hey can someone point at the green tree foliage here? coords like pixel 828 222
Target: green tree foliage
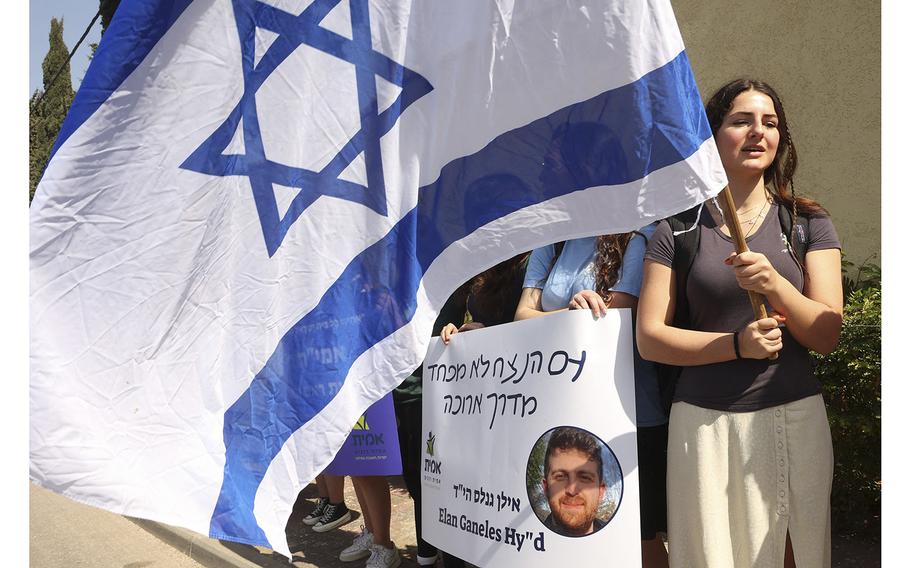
pixel 48 107
pixel 107 9
pixel 855 278
pixel 37 154
pixel 534 477
pixel 851 378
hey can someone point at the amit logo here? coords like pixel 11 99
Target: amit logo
pixel 361 437
pixel 362 423
pixel 431 468
pixel 431 444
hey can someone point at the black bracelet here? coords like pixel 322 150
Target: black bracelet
pixel 736 345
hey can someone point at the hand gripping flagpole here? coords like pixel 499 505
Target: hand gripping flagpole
pixel 739 240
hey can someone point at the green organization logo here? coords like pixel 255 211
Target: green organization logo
pixel 361 437
pixel 431 444
pixel 432 466
pixel 362 423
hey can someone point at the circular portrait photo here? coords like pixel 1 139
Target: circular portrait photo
pixel 574 481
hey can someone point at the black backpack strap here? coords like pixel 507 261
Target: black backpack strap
pixel 797 236
pixel 557 250
pixel 685 246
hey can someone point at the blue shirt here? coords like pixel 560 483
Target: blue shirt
pixel 574 272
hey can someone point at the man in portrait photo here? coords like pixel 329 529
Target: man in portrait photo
pixel 573 482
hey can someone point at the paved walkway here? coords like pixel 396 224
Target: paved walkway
pixel 64 533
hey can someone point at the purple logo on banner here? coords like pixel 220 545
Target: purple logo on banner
pixel 372 447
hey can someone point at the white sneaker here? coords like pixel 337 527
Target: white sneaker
pixel 382 557
pixel 360 548
pixel 427 560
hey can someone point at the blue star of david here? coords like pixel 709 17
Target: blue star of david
pixel 293 31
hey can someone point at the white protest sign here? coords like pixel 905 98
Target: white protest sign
pixel 518 419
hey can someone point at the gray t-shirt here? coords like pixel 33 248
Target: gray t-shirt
pixel 718 304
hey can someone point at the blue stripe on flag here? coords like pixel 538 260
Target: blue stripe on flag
pixel 307 369
pixel 133 32
pixel 616 137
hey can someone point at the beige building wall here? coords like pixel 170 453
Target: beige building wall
pixel 824 59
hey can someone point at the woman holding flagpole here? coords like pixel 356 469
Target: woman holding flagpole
pixel 750 461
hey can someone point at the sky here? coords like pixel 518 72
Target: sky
pixel 76 16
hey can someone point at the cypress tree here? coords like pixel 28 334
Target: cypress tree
pixel 47 111
pixel 36 156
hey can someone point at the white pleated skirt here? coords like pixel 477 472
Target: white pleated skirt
pixel 738 481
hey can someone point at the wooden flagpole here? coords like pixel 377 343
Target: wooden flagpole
pixel 739 240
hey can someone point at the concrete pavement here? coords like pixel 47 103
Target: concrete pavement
pixel 64 533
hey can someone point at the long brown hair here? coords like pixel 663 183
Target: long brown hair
pixel 779 175
pixel 491 288
pixel 608 261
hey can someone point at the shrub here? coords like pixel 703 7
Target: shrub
pixel 851 379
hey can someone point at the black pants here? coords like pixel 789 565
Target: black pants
pixel 652 479
pixel 410 433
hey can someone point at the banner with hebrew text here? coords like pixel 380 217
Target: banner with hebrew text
pixel 530 456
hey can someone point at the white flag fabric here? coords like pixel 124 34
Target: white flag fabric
pixel 256 208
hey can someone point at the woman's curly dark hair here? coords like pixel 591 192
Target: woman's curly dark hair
pixel 608 261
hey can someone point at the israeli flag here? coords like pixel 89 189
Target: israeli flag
pixel 256 208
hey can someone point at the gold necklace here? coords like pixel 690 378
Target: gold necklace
pixel 741 213
pixel 753 221
pixel 718 212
